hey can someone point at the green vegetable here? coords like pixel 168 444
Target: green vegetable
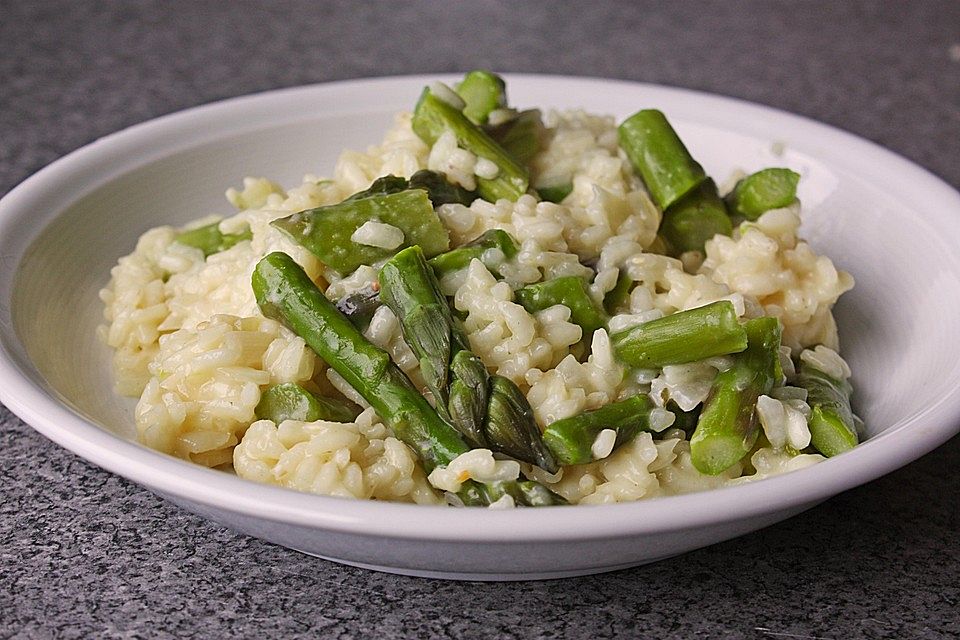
pixel 521 136
pixel 555 193
pixel 360 306
pixel 487 410
pixel 210 240
pixel 695 218
pixel 460 258
pixel 728 426
pixel 619 295
pixel 483 92
pixel 432 117
pixel 571 439
pixel 290 401
pixel 762 191
pixel 438 188
pixel 832 423
pixel 685 336
pixel 569 291
pixel 326 231
pixel 657 154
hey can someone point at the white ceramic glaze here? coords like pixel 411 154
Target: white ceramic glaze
pixel 887 221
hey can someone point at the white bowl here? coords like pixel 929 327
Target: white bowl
pixel 887 221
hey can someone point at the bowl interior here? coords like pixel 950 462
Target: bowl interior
pixel 897 325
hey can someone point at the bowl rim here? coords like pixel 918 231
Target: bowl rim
pixel 53 188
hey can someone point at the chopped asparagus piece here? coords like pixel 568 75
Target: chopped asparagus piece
pixel 326 231
pixel 657 154
pixel 619 295
pixel 762 191
pixel 482 91
pixel 571 439
pixel 460 258
pixel 210 240
pixel 511 428
pixel 728 426
pixel 695 218
pixel 290 401
pixel 569 291
pixel 832 423
pixel 555 193
pixel 685 336
pixel 360 306
pixel 521 136
pixel 432 117
pixel 438 188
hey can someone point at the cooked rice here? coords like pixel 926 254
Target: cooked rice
pixel 189 340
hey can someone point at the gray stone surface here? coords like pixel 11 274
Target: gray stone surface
pixel 86 554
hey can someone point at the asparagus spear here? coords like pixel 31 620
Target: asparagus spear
pixel 432 117
pixel 570 440
pixel 657 154
pixel 210 240
pixel 360 306
pixel 485 410
pixel 438 188
pixel 326 231
pixel 460 258
pixel 685 336
pixel 762 191
pixel 728 426
pixel 832 423
pixel 285 292
pixel 482 91
pixel 521 136
pixel 556 192
pixel 695 218
pixel 290 401
pixel 618 296
pixel 569 291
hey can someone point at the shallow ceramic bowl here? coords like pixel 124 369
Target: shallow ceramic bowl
pixel 887 221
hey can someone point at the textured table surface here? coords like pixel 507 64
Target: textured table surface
pixel 86 554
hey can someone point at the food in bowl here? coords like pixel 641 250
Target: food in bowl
pixel 492 307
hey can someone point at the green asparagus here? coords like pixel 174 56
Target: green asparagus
pixel 326 231
pixel 360 306
pixel 555 192
pixel 210 239
pixel 832 423
pixel 685 336
pixel 432 117
pixel 728 426
pixel 438 188
pixel 482 91
pixel 569 291
pixel 695 218
pixel 521 136
pixel 460 258
pixel 762 191
pixel 619 295
pixel 570 440
pixel 657 154
pixel 290 401
pixel 487 410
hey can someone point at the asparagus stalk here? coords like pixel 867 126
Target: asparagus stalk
pixel 555 192
pixel 432 117
pixel 438 188
pixel 619 295
pixel 832 423
pixel 486 410
pixel 521 136
pixel 570 440
pixel 657 154
pixel 695 218
pixel 460 258
pixel 285 292
pixel 569 291
pixel 728 425
pixel 762 191
pixel 210 239
pixel 360 306
pixel 290 401
pixel 685 336
pixel 326 231
pixel 482 91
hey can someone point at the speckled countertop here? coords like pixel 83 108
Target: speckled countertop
pixel 86 554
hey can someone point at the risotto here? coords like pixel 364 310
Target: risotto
pixel 492 307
